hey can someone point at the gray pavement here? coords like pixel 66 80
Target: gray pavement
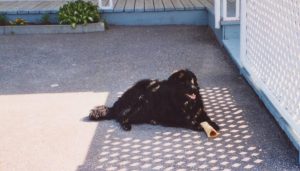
pixel 48 83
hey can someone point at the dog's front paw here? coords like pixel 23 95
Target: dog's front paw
pixel 98 112
pixel 153 122
pixel 126 126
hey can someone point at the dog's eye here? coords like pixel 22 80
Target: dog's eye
pixel 192 81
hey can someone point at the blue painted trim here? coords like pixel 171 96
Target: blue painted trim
pixel 159 9
pixel 34 18
pixel 236 22
pixel 22 12
pixel 196 17
pixel 11 12
pixel 139 10
pixel 149 10
pixel 231 31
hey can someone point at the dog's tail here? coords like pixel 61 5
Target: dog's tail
pixel 101 113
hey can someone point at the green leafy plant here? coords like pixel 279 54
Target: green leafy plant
pixel 45 19
pixel 78 12
pixel 18 21
pixel 3 20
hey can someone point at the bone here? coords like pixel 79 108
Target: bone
pixel 209 130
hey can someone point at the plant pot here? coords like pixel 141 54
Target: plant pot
pixel 48 29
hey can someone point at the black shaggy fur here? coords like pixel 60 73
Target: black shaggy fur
pixel 173 102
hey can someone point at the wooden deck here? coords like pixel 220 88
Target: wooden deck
pixel 154 5
pixel 33 7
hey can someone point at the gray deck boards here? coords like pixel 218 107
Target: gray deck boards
pixel 139 6
pixel 114 2
pixel 56 5
pixel 178 5
pixel 149 5
pixel 7 5
pixel 25 5
pixel 129 7
pixel 40 5
pixel 207 4
pixel 158 5
pixel 168 5
pixel 118 5
pixel 187 4
pixel 197 4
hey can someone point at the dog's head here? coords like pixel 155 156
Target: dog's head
pixel 187 80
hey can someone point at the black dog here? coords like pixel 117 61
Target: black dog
pixel 173 102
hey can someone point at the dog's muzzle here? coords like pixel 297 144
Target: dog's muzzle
pixel 191 96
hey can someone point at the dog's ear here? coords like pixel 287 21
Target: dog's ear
pixel 177 76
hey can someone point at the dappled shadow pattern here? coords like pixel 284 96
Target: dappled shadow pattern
pixel 161 148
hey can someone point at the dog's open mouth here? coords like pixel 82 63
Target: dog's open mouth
pixel 191 96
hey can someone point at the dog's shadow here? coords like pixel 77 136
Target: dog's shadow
pixel 86 119
pixel 148 147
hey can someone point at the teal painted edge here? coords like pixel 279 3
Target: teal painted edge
pixel 269 105
pixel 194 17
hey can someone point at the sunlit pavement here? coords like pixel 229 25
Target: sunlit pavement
pixel 48 84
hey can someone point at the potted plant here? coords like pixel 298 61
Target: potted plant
pixel 78 12
pixel 73 17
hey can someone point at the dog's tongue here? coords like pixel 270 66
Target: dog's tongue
pixel 191 96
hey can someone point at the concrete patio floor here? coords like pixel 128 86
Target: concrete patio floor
pixel 48 83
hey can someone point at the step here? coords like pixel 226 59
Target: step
pixel 233 48
pixel 192 17
pixel 231 29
